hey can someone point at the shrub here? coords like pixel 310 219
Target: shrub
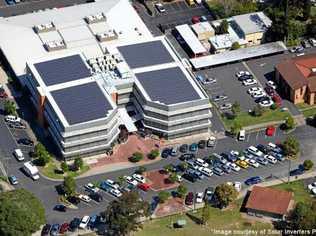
pixel 308 164
pixel 141 170
pixel 274 106
pixel 153 154
pixel 136 157
pixel 163 196
pixel 182 191
pixel 64 166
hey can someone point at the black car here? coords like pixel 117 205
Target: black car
pixel 25 141
pixel 202 144
pixel 184 148
pixel 46 230
pixel 245 77
pixel 187 156
pixel 74 200
pixel 60 207
pixel 74 224
pixel 165 153
pixel 261 99
pixel 262 148
pixel 296 172
pixel 189 177
pixel 96 197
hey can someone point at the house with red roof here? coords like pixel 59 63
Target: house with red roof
pixel 296 78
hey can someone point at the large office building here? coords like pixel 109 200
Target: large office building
pixel 89 71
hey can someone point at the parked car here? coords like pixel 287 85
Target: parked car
pixel 254 90
pixel 131 180
pixel 262 160
pixel 236 185
pixel 220 97
pixel 18 154
pixel 139 178
pixel 112 184
pixel 165 153
pixel 84 222
pixel 266 103
pixel 242 135
pixel 208 194
pixel 184 148
pixel 277 99
pixel 277 155
pixel 252 162
pixel 84 198
pixel 46 230
pixel 64 228
pixel 242 73
pixel 206 171
pixel 143 186
pixel 233 166
pixel 202 144
pixel 270 91
pixel 259 94
pixel 226 168
pixel 74 224
pixel 271 84
pixel 115 192
pixel 189 177
pixel 226 106
pixel 96 197
pixel 211 141
pixel 54 230
pixel 312 42
pixel 201 162
pixel 160 7
pixel 189 198
pixel 91 188
pixel 242 164
pixel 262 148
pixel 60 207
pixel 253 150
pixel 218 171
pixel 249 82
pixel 306 44
pixel 270 130
pixel 270 159
pixel 174 151
pixel 13 180
pixel 199 197
pixel 12 119
pixel 275 148
pixel 253 180
pixel 298 171
pixel 193 147
pixel 195 19
pixel 187 156
pixel 25 141
pixel 311 186
pixel 93 221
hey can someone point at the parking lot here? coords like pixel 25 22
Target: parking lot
pixel 176 13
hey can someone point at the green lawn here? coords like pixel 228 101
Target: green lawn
pixel 297 187
pixel 49 171
pixel 226 220
pixel 245 119
pixel 313 11
pixel 307 110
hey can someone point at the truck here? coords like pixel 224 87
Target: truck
pixel 31 170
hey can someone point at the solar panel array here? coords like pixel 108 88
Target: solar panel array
pixel 62 70
pixel 82 103
pixel 168 86
pixel 145 54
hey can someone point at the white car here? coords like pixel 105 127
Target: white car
pixel 115 192
pixel 234 153
pixel 311 186
pixel 271 84
pixel 206 171
pixel 139 178
pixel 271 159
pixel 13 119
pixel 209 81
pixel 84 198
pixel 252 162
pixel 242 73
pixel 84 222
pixel 226 106
pixel 201 162
pixel 248 82
pixel 199 197
pixel 266 103
pixel 259 94
pixel 233 166
pixel 314 191
pixel 112 184
pixel 236 185
pixel 130 180
pixel 18 154
pixel 92 188
pixel 160 7
pixel 254 90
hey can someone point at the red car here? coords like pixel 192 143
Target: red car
pixel 270 91
pixel 3 94
pixel 189 198
pixel 144 186
pixel 64 228
pixel 277 99
pixel 195 19
pixel 270 130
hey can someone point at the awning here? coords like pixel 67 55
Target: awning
pixel 126 120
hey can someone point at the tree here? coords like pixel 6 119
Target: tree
pixel 78 163
pixel 136 157
pixel 168 168
pixel 291 146
pixel 257 110
pixel 236 108
pixel 223 27
pixel 153 154
pixel 311 27
pixel 121 180
pixel 308 164
pixel 235 128
pixel 303 216
pixel 123 214
pixel 42 155
pixel 235 46
pixel 21 213
pixel 141 170
pixel 163 196
pixel 173 177
pixel 10 107
pixel 289 123
pixel 307 9
pixel 64 166
pixel 69 186
pixel 183 166
pixel 205 214
pixel 182 190
pixel 225 194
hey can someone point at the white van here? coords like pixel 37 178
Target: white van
pixel 242 135
pixel 254 151
pixel 31 170
pixel 13 119
pixel 18 154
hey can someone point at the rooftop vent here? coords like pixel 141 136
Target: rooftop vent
pixel 107 36
pixel 44 27
pixel 55 45
pixel 95 18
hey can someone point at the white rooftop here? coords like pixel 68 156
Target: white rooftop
pixel 190 38
pixel 222 41
pixel 202 27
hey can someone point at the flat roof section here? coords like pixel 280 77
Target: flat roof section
pixel 145 54
pixel 168 86
pixel 62 70
pixel 82 103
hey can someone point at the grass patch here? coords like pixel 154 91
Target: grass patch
pixel 313 11
pixel 226 220
pixel 297 187
pixel 307 110
pixel 245 119
pixel 50 171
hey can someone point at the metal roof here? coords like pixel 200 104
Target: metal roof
pixel 238 55
pixel 253 22
pixel 168 86
pixel 62 70
pixel 191 40
pixel 82 103
pixel 145 54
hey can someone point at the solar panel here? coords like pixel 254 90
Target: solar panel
pixel 168 86
pixel 62 70
pixel 82 103
pixel 145 54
